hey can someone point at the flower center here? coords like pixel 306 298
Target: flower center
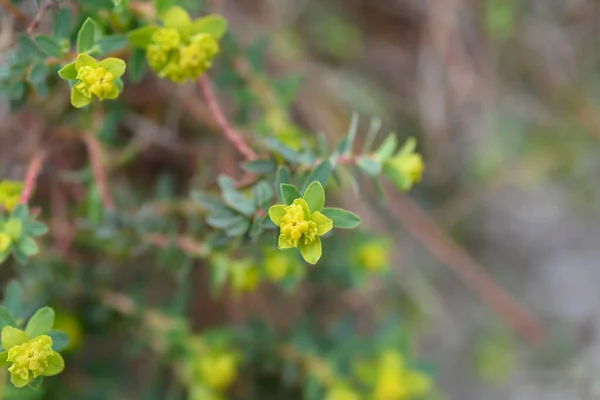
pixel 97 81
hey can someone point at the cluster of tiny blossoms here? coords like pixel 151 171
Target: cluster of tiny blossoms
pixel 181 48
pixel 174 59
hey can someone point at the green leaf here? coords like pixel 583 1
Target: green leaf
pixel 284 151
pixel 4 362
pixel 208 201
pixel 352 131
pixel 137 65
pixel 283 176
pixel 214 25
pixel 48 45
pixel 60 340
pixel 256 229
pixel 56 365
pixel 311 252
pixel 223 221
pixel 19 256
pixel 12 337
pixel 320 174
pixel 27 48
pixel 40 323
pixel 341 218
pixel 374 127
pixel 28 246
pixel 315 196
pixel 17 90
pixel 142 37
pixel 68 72
pixel 262 194
pixel 233 198
pixel 260 166
pixel 112 43
pixel 86 36
pixel 387 148
pixel 13 299
pixel 176 18
pixel 162 6
pixel 369 166
pixel 289 193
pixel 239 228
pixel 63 23
pixel 35 228
pixel 38 73
pixel 20 212
pixel 41 89
pixel 6 319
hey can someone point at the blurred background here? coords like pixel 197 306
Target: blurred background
pixel 502 96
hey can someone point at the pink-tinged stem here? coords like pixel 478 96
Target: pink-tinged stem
pixel 33 171
pixel 230 133
pixel 96 160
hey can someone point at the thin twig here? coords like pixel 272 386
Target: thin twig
pixel 13 10
pixel 33 171
pixel 448 252
pixel 44 7
pixel 96 160
pixel 228 131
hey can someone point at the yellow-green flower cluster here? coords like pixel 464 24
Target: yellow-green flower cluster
pixel 373 255
pixel 245 276
pixel 280 265
pixel 10 233
pixel 181 49
pixel 341 391
pixel 406 167
pixel 10 194
pixel 101 79
pixel 29 358
pixel 211 370
pixel 299 225
pixel 396 381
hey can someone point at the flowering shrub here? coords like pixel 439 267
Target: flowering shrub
pixel 241 229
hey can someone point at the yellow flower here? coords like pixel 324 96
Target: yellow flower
pixel 396 382
pixel 301 228
pixel 181 49
pixel 406 167
pixel 374 255
pixel 166 39
pixel 218 369
pixel 280 265
pixel 29 358
pixel 342 392
pixel 101 79
pixel 69 324
pixel 245 276
pixel 10 194
pixel 5 242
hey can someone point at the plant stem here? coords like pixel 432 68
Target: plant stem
pixel 33 171
pixel 228 131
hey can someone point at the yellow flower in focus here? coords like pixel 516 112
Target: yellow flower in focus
pixel 101 79
pixel 300 228
pixel 10 194
pixel 29 358
pixel 374 255
pixel 5 242
pixel 218 370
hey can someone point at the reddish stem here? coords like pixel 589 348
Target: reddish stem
pixel 230 133
pixel 95 153
pixel 33 171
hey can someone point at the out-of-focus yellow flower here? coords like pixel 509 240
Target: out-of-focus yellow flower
pixel 406 167
pixel 279 265
pixel 373 255
pixel 395 381
pixel 342 392
pixel 5 242
pixel 71 326
pixel 218 369
pixel 245 276
pixel 10 194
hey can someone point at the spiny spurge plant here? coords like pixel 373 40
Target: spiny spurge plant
pixel 126 261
